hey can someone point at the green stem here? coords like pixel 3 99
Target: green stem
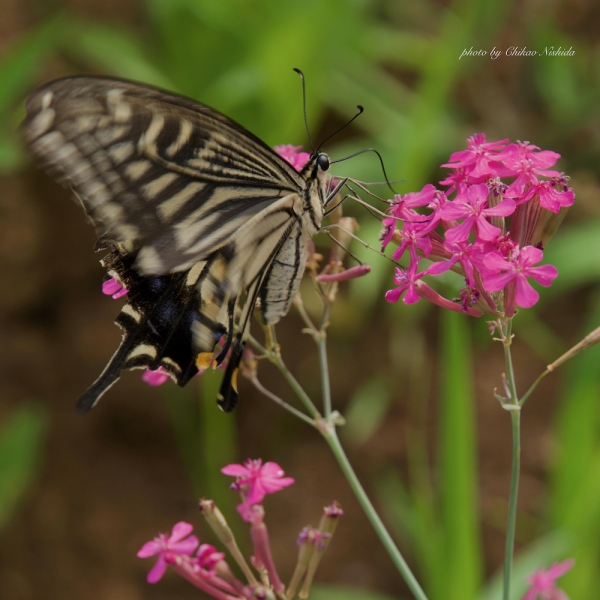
pixel 512 502
pixel 263 390
pixel 321 340
pixel 325 384
pixel 533 386
pixel 276 359
pixel 332 439
pixel 516 460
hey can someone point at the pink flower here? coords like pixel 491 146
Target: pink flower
pixel 168 549
pixel 543 583
pixel 111 287
pixel 414 237
pixel 403 206
pixel 527 166
pixel 471 206
pixel 293 155
pixel 518 269
pixel 480 159
pixel 550 198
pixel 156 377
pixel 406 280
pixel 255 480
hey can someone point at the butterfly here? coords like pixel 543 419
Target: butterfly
pixel 200 219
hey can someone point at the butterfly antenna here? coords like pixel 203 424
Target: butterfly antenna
pixel 360 111
pixel 380 160
pixel 304 107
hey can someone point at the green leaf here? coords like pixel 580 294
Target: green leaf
pixel 21 445
pixel 458 467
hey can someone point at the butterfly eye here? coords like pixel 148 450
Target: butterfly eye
pixel 323 162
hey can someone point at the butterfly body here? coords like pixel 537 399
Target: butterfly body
pixel 200 217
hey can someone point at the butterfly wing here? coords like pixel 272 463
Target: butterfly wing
pixel 154 170
pixel 192 207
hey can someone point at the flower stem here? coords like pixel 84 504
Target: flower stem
pixel 328 431
pixel 332 439
pixel 515 415
pixel 263 390
pixel 533 386
pixel 322 346
pixel 276 359
pixel 321 340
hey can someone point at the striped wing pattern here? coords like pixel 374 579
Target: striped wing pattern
pixel 201 218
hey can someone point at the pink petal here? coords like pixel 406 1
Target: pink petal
pixel 236 471
pixel 486 231
pixel 149 549
pixel 530 255
pixel 544 275
pixel 411 296
pixel 155 378
pixel 394 295
pixel 186 546
pixel 271 469
pixel 526 296
pixel 454 210
pixel 495 283
pixel 274 485
pixel 503 209
pixel 496 262
pixel 180 530
pixel 441 266
pixel 461 232
pixel 544 159
pixel 158 570
pixel 559 569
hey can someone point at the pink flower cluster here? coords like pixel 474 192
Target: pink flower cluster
pixel 207 569
pixel 501 204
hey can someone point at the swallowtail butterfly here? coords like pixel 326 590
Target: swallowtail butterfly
pixel 200 218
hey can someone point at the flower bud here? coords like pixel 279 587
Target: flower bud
pixel 214 517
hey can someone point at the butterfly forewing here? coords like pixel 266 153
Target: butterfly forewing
pixel 149 166
pixel 200 216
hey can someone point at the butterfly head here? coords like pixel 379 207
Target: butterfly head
pixel 323 161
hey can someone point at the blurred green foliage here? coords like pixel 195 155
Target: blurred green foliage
pixel 22 438
pixel 400 61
